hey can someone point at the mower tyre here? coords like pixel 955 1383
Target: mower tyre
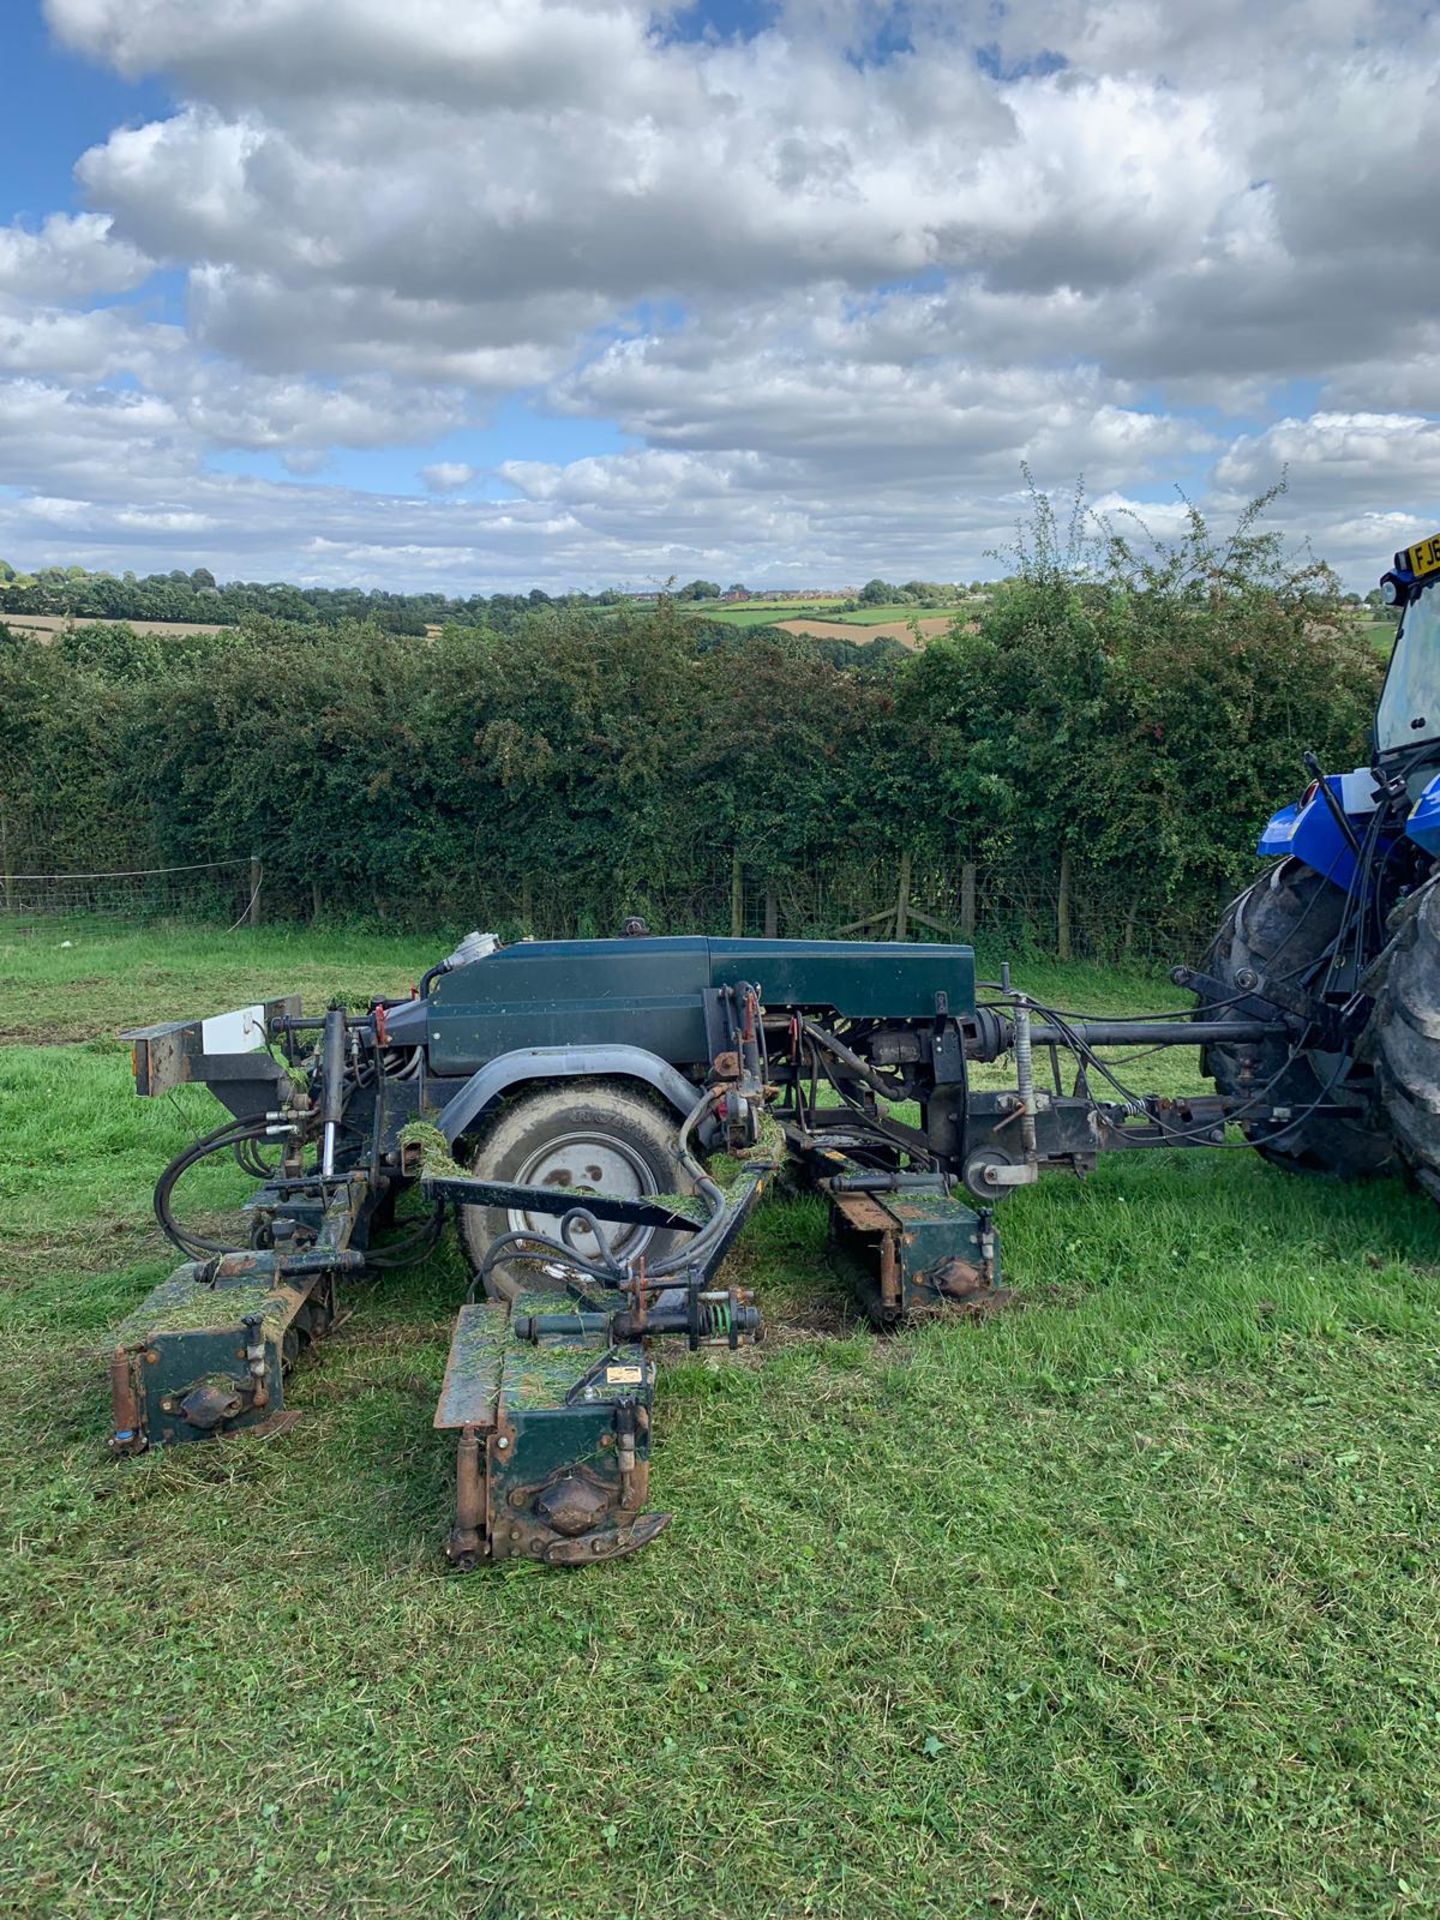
pixel 589 1136
pixel 1277 930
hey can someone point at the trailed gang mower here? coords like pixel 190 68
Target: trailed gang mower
pixel 600 1117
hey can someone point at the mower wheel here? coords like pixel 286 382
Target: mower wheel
pixel 1278 931
pixel 587 1136
pixel 1404 1034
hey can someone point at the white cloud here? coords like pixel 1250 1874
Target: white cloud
pixel 832 299
pixel 228 408
pixel 70 255
pixel 446 476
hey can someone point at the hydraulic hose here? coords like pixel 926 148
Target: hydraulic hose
pixel 234 1133
pixel 607 1271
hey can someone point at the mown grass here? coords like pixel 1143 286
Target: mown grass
pixel 1120 1603
pixel 86 980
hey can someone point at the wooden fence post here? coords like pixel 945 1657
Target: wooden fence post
pixel 257 874
pixel 737 897
pixel 1132 915
pixel 1062 906
pixel 967 901
pixel 772 914
pixel 902 899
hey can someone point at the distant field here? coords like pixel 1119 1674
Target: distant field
pixel 884 616
pixel 877 621
pixel 787 613
pixel 48 623
pixel 767 613
pixel 742 617
pixel 892 629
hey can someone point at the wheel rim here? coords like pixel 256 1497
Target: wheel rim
pixel 585 1162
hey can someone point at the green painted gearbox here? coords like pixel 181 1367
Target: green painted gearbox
pixel 208 1350
pixel 554 1450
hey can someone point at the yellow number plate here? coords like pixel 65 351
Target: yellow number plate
pixel 1424 557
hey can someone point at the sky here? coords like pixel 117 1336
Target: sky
pixel 483 294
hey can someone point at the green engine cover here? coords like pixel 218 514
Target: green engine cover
pixel 646 993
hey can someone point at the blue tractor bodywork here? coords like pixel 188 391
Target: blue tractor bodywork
pixel 1308 830
pixel 1336 833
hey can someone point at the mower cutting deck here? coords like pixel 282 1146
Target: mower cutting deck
pixel 568 1103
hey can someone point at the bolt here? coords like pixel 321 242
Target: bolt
pixel 517 1497
pixel 502 1443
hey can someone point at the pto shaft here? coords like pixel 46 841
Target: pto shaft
pixel 1179 1032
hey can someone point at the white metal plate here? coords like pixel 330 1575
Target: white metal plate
pixel 238 1032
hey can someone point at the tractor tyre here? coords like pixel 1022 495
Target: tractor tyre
pixel 592 1136
pixel 1404 1034
pixel 1277 930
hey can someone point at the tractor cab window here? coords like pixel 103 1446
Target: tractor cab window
pixel 1409 710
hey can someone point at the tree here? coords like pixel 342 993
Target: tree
pixel 877 593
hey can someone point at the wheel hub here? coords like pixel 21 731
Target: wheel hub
pixel 588 1163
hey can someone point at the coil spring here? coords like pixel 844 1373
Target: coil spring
pixel 713 1319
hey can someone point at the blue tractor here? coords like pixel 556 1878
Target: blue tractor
pixel 1344 932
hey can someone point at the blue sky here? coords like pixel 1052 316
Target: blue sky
pixel 66 103
pixel 569 292
pixel 57 103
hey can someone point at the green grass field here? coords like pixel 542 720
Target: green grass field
pixel 751 613
pixel 752 616
pixel 1121 1603
pixel 1381 635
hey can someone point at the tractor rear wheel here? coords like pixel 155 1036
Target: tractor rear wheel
pixel 1278 930
pixel 586 1136
pixel 1404 1034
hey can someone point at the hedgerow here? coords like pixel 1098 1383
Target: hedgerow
pixel 1132 712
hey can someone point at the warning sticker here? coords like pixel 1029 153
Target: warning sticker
pixel 624 1376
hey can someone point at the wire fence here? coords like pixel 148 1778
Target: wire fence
pixel 1023 908
pixel 227 891
pixel 1003 905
